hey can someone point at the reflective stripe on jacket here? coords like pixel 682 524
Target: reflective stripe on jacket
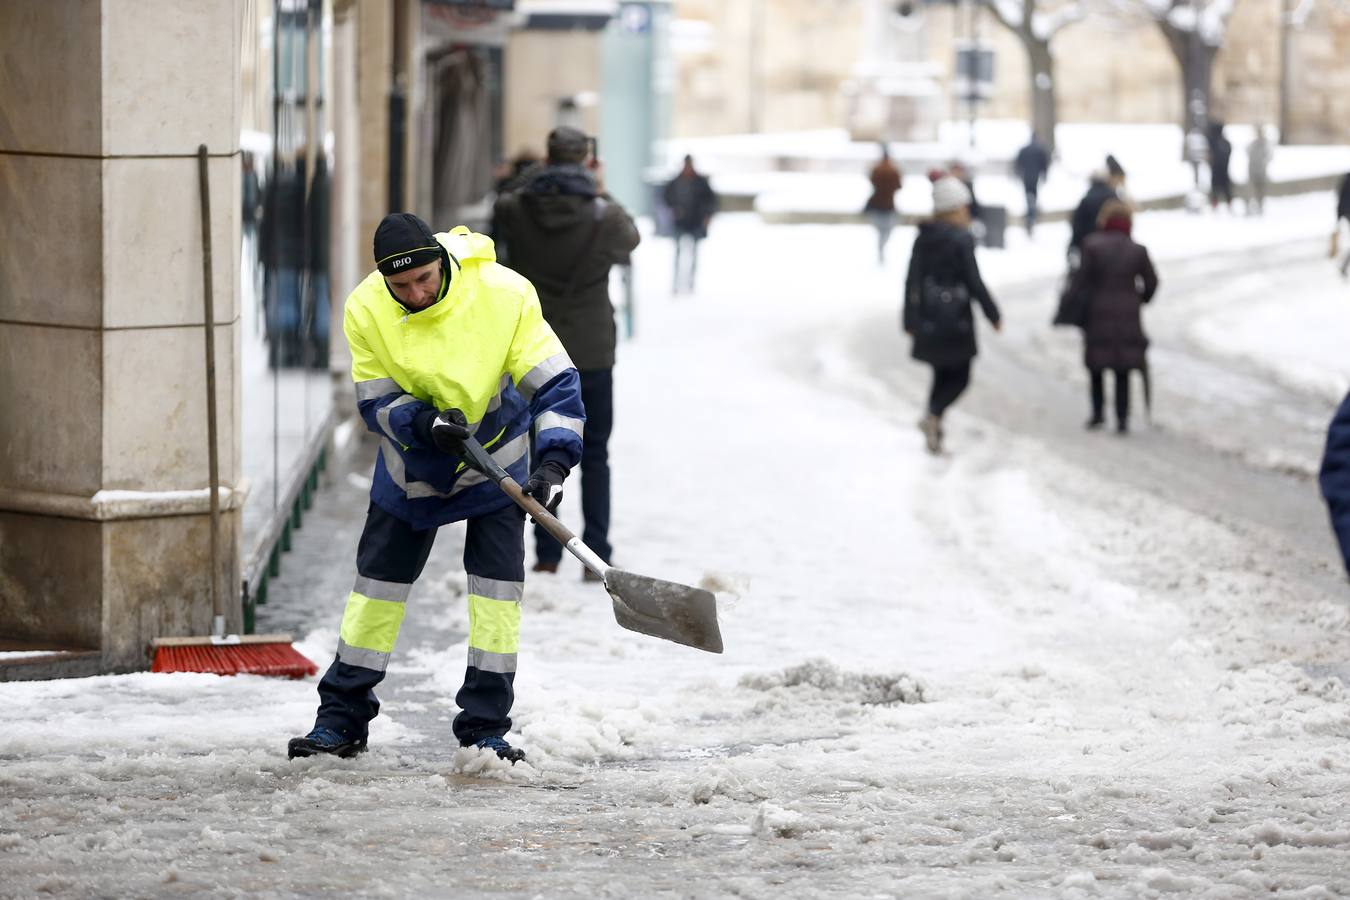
pixel 483 348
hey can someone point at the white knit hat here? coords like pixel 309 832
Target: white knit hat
pixel 949 195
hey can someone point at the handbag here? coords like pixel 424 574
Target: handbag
pixel 1072 308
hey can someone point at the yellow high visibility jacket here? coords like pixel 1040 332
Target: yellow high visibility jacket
pixel 483 348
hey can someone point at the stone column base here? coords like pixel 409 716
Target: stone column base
pixel 112 584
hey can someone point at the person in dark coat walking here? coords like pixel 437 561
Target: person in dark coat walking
pixel 880 206
pixel 1220 179
pixel 1259 153
pixel 1031 164
pixel 1334 477
pixel 1103 186
pixel 563 232
pixel 692 204
pixel 943 280
pixel 1115 279
pixel 1343 212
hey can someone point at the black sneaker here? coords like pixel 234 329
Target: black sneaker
pixel 325 740
pixel 504 750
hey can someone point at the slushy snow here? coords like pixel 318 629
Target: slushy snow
pixel 993 673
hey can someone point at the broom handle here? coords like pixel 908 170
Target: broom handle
pixel 213 462
pixel 478 458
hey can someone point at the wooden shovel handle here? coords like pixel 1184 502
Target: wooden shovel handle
pixel 478 458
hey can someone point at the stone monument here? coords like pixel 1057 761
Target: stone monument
pixel 895 93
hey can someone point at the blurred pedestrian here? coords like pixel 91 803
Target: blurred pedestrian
pixel 252 196
pixel 1103 185
pixel 1220 155
pixel 1114 279
pixel 963 172
pixel 943 280
pixel 510 173
pixel 563 232
pixel 691 200
pixel 1342 212
pixel 316 328
pixel 509 176
pixel 445 344
pixel 1031 164
pixel 880 207
pixel 1334 477
pixel 281 237
pixel 1259 152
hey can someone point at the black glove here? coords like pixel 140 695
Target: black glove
pixel 545 484
pixel 449 430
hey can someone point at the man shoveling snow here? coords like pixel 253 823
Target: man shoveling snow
pixel 446 344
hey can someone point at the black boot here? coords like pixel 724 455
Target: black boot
pixel 498 745
pixel 325 740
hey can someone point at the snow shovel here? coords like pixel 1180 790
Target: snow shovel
pixel 663 609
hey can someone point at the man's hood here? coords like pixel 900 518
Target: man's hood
pixel 465 245
pixel 558 197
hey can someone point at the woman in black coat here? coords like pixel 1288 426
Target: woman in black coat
pixel 943 279
pixel 1115 279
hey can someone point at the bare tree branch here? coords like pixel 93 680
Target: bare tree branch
pixel 1011 13
pixel 1046 25
pixel 1207 19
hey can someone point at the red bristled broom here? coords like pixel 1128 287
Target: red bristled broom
pixel 221 653
pixel 236 654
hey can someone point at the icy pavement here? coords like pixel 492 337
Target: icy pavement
pixel 995 673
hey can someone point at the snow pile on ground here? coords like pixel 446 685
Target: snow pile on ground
pixel 1295 330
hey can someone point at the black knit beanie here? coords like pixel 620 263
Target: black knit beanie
pixel 404 242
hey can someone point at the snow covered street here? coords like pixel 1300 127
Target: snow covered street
pixel 1051 664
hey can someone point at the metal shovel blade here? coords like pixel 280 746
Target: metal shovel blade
pixel 665 609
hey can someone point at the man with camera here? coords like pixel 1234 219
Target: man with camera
pixel 563 232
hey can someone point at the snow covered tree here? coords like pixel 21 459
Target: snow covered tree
pixel 1195 32
pixel 1036 26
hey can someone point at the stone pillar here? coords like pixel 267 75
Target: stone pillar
pixel 374 68
pixel 103 467
pixel 350 260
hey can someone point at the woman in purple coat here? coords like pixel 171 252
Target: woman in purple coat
pixel 1115 279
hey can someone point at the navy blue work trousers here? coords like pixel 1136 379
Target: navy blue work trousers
pixel 389 559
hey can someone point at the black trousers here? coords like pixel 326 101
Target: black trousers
pixel 1099 394
pixel 686 249
pixel 949 382
pixel 389 559
pixel 597 395
pixel 1032 210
